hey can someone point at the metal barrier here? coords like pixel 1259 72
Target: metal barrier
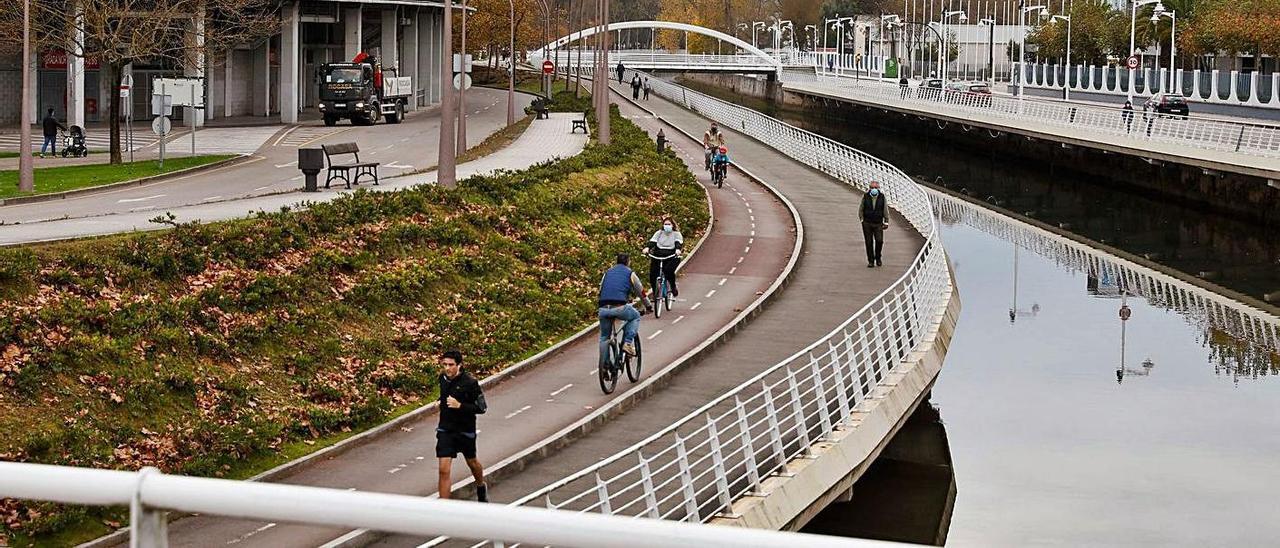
pixel 149 493
pixel 696 468
pixel 1103 123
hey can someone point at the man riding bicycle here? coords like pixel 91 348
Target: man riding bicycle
pixel 711 139
pixel 616 289
pixel 665 244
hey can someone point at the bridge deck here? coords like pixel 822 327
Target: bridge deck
pixel 831 281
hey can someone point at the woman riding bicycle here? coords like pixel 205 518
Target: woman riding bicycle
pixel 720 162
pixel 665 244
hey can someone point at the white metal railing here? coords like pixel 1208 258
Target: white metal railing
pixel 694 469
pixel 149 494
pixel 1102 123
pixel 1254 89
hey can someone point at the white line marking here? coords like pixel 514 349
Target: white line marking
pixel 710 293
pixel 749 210
pixel 753 225
pixel 562 389
pixel 261 188
pixel 753 218
pixel 399 166
pixel 295 178
pixel 722 281
pixel 655 334
pixel 516 412
pixel 283 135
pixel 254 532
pixel 406 139
pixel 388 147
pixel 740 259
pixel 393 470
pixel 747 250
pixel 211 198
pixel 732 270
pixel 293 163
pixel 131 200
pixel 751 241
pixel 695 307
pixel 677 320
pixel 753 233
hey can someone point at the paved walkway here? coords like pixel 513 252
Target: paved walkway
pixel 830 283
pixel 544 140
pixel 720 280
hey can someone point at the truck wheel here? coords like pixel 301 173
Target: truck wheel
pixel 330 120
pixel 395 117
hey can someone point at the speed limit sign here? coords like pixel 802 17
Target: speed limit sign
pixel 1132 62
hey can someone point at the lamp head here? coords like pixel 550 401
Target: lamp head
pixel 964 18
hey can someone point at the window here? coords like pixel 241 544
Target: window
pixel 343 76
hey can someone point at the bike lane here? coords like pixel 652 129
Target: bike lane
pixel 749 247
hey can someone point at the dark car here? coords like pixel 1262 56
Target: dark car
pixel 1167 103
pixel 931 88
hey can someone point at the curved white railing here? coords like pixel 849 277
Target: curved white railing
pixel 696 468
pixel 1102 123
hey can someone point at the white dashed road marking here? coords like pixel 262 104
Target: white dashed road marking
pixel 518 411
pixel 130 200
pixel 722 281
pixel 732 270
pixel 655 334
pixel 695 307
pixel 254 532
pixel 677 320
pixel 562 389
pixel 710 293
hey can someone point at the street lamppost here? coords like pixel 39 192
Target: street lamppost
pixel 946 57
pixel 811 34
pixel 1173 43
pixel 755 25
pixel 838 25
pixel 1022 49
pixel 1133 29
pixel 26 171
pixel 890 21
pixel 1066 85
pixel 991 47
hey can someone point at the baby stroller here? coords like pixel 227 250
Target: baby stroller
pixel 73 143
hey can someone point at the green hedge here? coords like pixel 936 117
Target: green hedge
pixel 202 346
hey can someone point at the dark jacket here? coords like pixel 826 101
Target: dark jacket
pixel 51 126
pixel 466 390
pixel 873 210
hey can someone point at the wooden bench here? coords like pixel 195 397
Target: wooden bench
pixel 343 172
pixel 582 123
pixel 541 108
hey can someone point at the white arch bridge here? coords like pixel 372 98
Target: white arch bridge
pixel 740 56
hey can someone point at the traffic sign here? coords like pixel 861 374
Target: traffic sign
pixel 1132 62
pixel 548 67
pixel 459 79
pixel 161 125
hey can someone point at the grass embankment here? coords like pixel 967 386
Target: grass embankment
pixel 61 179
pixel 219 349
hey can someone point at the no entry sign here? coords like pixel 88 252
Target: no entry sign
pixel 548 67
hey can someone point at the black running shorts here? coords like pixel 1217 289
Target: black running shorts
pixel 449 444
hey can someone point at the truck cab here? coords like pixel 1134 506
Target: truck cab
pixel 360 91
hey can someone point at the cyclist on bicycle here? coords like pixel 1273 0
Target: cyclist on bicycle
pixel 665 244
pixel 711 139
pixel 616 289
pixel 720 160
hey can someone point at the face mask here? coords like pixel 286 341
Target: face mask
pixel 666 228
pixel 875 192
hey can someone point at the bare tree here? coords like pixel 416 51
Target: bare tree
pixel 119 32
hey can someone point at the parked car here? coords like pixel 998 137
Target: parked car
pixel 974 93
pixel 931 88
pixel 1167 103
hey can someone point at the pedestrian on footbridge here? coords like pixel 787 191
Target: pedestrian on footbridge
pixel 647 88
pixel 635 86
pixel 621 69
pixel 874 214
pixel 460 401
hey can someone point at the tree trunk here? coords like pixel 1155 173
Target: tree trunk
pixel 115 74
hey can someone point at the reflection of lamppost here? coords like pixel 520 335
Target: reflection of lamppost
pixel 1013 308
pixel 1147 364
pixel 1066 85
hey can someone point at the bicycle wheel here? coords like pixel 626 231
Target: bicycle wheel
pixel 657 300
pixel 607 371
pixel 634 363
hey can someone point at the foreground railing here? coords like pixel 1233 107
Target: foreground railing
pixel 149 494
pixel 696 468
pixel 1102 123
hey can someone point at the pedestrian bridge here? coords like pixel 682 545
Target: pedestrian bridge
pixel 742 57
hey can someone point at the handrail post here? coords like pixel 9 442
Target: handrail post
pixel 824 414
pixel 686 482
pixel 602 491
pixel 148 527
pixel 722 476
pixel 797 410
pixel 650 498
pixel 748 449
pixel 775 432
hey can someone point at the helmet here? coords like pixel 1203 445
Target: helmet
pixel 724 150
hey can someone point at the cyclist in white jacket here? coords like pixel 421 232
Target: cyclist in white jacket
pixel 665 243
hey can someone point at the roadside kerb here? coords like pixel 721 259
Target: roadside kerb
pixel 619 405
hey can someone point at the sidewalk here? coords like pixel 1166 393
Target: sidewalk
pixel 544 140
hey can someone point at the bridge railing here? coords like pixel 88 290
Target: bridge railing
pixel 1100 122
pixel 647 58
pixel 694 469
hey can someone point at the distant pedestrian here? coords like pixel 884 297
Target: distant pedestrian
pixel 621 70
pixel 51 126
pixel 460 401
pixel 905 86
pixel 831 63
pixel 1127 114
pixel 874 215
pixel 635 86
pixel 647 88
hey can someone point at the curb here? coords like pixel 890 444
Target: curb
pixel 115 186
pixel 364 537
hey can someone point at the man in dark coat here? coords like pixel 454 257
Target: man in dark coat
pixel 51 127
pixel 874 214
pixel 460 401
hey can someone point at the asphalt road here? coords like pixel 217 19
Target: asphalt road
pixel 273 167
pixel 746 251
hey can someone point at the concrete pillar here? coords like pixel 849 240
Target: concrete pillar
pixel 226 83
pixel 290 46
pixel 75 68
pixel 266 78
pixel 195 66
pixel 390 25
pixel 410 57
pixel 353 36
pixel 1213 85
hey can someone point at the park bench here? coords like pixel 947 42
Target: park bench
pixel 541 108
pixel 343 172
pixel 580 123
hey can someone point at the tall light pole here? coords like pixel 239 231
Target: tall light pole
pixel 991 47
pixel 1133 29
pixel 462 88
pixel 1173 43
pixel 839 23
pixel 1022 49
pixel 890 20
pixel 511 70
pixel 946 55
pixel 811 32
pixel 602 76
pixel 447 170
pixel 1066 86
pixel 754 26
pixel 26 171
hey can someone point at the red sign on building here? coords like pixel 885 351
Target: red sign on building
pixel 56 59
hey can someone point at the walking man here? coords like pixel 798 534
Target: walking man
pixel 647 89
pixel 1127 114
pixel 635 86
pixel 621 69
pixel 874 215
pixel 51 126
pixel 460 401
pixel 905 86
